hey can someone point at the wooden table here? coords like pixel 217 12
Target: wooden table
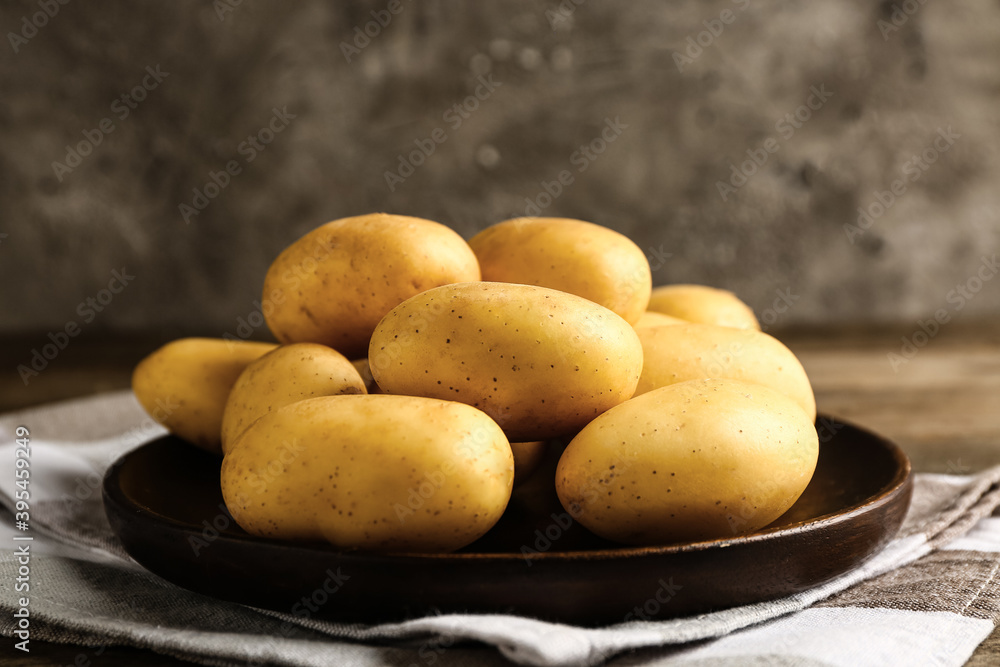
pixel 942 406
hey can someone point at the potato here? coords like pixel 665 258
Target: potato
pixel 653 319
pixel 184 385
pixel 697 460
pixel 707 305
pixel 365 371
pixel 379 473
pixel 527 456
pixel 542 363
pixel 288 374
pixel 334 284
pixel 697 351
pixel 573 256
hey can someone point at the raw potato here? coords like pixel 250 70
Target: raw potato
pixel 184 385
pixel 379 473
pixel 653 319
pixel 542 363
pixel 288 374
pixel 365 371
pixel 698 460
pixel 573 256
pixel 334 284
pixel 697 351
pixel 703 304
pixel 527 456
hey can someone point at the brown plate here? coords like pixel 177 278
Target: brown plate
pixel 164 503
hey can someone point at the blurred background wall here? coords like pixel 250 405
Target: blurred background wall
pixel 740 139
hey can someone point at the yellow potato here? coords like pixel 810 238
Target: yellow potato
pixel 542 363
pixel 334 284
pixel 288 374
pixel 653 319
pixel 379 473
pixel 697 460
pixel 527 456
pixel 365 371
pixel 184 385
pixel 697 351
pixel 700 303
pixel 573 256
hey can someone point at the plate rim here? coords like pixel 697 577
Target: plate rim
pixel 900 482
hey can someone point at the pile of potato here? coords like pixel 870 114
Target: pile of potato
pixel 685 421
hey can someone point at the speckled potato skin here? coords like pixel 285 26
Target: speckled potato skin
pixel 184 385
pixel 573 256
pixel 283 376
pixel 697 351
pixel 334 284
pixel 540 362
pixel 703 304
pixel 377 473
pixel 694 461
pixel 654 319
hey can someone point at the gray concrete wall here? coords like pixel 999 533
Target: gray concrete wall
pixel 559 77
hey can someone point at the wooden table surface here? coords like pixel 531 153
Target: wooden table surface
pixel 942 405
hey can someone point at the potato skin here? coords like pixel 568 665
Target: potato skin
pixel 365 371
pixel 697 351
pixel 288 374
pixel 184 385
pixel 651 318
pixel 573 256
pixel 378 473
pixel 698 460
pixel 540 362
pixel 334 284
pixel 703 304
